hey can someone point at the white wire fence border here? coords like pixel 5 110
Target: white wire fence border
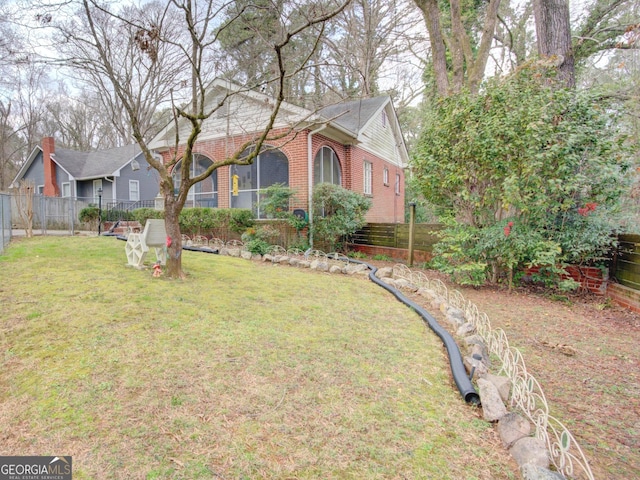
pixel 527 395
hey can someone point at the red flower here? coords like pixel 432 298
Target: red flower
pixel 591 206
pixel 507 231
pixel 510 224
pixel 583 211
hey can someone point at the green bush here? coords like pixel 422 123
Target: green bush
pixel 115 215
pixel 257 246
pixel 337 213
pixel 197 221
pixel 141 215
pixel 90 215
pixel 533 174
pixel 240 219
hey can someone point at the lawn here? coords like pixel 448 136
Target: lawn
pixel 243 370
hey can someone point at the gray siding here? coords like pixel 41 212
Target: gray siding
pixel 35 172
pixel 148 178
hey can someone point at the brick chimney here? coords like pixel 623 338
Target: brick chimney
pixel 50 185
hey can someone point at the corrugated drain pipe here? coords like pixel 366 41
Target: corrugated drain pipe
pixel 455 357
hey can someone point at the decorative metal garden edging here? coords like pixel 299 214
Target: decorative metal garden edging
pixel 527 395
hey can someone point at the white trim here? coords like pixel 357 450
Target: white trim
pixel 68 184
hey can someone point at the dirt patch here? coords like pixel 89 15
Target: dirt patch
pixel 584 352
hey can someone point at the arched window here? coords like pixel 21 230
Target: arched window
pixel 204 193
pixel 268 168
pixel 326 167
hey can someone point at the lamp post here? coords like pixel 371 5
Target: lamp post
pixel 99 210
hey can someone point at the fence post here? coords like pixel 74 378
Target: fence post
pixel 412 221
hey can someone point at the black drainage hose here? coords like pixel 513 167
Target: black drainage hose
pixel 455 357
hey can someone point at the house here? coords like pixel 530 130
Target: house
pixel 120 175
pixel 356 144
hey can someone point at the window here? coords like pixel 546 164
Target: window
pixel 40 190
pixel 134 190
pixel 397 184
pixel 268 168
pixel 66 189
pixel 384 119
pixel 385 176
pixel 368 170
pixel 204 193
pixel 326 167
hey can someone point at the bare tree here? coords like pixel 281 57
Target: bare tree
pixel 24 204
pixel 180 33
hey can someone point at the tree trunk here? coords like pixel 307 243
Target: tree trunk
pixel 174 236
pixel 431 13
pixel 554 37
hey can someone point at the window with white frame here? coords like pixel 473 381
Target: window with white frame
pixel 326 167
pixel 385 176
pixel 384 119
pixel 66 189
pixel 40 189
pixel 397 184
pixel 134 190
pixel 368 174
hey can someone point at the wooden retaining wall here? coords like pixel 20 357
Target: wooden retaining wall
pixel 625 267
pixel 396 235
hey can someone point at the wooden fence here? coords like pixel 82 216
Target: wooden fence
pixel 396 235
pixel 625 267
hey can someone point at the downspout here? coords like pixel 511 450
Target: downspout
pixel 310 178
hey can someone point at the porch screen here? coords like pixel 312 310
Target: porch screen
pixel 268 168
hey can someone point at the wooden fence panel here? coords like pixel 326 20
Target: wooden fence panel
pixel 396 235
pixel 626 265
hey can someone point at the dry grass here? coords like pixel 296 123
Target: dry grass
pixel 243 370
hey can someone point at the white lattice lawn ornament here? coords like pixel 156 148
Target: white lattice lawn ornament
pixel 154 235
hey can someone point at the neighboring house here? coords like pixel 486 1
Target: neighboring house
pixel 122 174
pixel 356 144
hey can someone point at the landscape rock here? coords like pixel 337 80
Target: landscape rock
pixel 512 427
pixel 389 281
pixel 246 254
pixel 454 315
pixel 493 408
pixel 224 251
pixel 355 268
pixel 267 258
pixel 478 368
pixel 335 269
pixel 294 262
pixel 304 264
pixel 533 472
pixel 427 293
pixel 384 272
pixel 480 350
pixel 474 340
pixel 234 252
pixel 502 383
pixel 466 329
pixel 320 266
pixel 405 284
pixel 530 450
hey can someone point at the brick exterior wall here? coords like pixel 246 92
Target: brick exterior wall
pixel 50 185
pixel 387 206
